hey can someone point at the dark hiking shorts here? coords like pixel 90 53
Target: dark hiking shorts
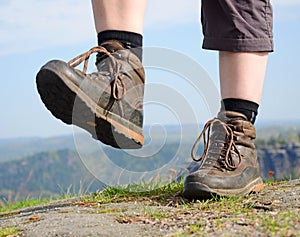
pixel 237 25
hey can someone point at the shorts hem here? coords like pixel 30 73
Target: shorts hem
pixel 239 45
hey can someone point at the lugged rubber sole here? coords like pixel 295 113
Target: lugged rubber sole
pixel 59 94
pixel 195 190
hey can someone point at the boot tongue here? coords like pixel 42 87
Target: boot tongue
pixel 227 116
pixel 220 140
pixel 112 45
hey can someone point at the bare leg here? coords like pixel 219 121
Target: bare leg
pixel 242 74
pixel 126 15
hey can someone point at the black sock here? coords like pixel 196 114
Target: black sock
pixel 245 107
pixel 130 40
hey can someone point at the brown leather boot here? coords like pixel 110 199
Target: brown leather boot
pixel 107 103
pixel 229 164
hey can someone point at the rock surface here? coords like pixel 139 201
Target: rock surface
pixel 273 212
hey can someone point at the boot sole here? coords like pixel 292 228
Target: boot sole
pixel 195 190
pixel 59 93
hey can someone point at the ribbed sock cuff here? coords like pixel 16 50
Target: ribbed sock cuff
pixel 246 107
pixel 130 39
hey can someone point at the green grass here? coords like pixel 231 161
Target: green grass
pixel 199 217
pixel 165 206
pixel 132 192
pixel 280 223
pixel 22 204
pixel 226 212
pixel 8 231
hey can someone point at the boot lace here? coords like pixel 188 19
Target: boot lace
pixel 114 68
pixel 225 156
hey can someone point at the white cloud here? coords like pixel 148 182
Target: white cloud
pixel 286 11
pixel 171 12
pixel 285 2
pixel 33 24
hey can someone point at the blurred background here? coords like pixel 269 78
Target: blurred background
pixel 34 146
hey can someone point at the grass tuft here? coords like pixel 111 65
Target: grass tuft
pixel 132 192
pixel 22 204
pixel 8 231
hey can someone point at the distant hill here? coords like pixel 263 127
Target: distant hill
pixel 45 174
pixel 282 160
pixel 36 167
pixel 18 148
pixel 267 130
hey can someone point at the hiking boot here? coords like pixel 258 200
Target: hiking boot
pixel 108 103
pixel 229 165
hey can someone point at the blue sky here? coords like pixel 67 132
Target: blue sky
pixel 35 31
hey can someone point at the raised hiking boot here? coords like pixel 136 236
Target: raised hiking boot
pixel 108 103
pixel 229 164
